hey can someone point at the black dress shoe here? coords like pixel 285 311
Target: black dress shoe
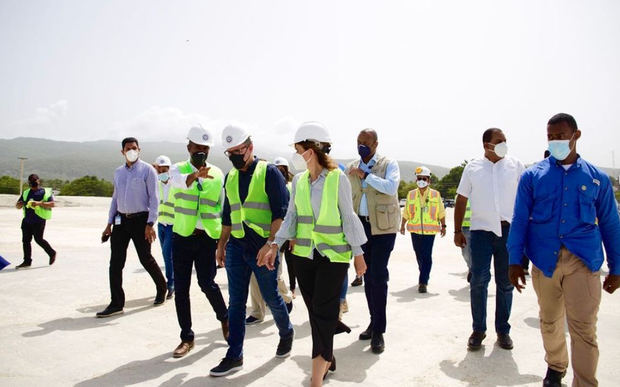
pixel 159 299
pixel 342 327
pixel 475 340
pixel 357 281
pixel 504 340
pixel 23 265
pixel 109 311
pixel 367 334
pixel 53 259
pixel 376 343
pixel 553 378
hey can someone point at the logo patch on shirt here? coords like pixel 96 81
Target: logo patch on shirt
pixel 596 181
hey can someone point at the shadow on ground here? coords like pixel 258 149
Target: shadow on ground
pixel 411 294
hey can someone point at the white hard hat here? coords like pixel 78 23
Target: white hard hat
pixel 280 161
pixel 422 171
pixel 233 135
pixel 200 136
pixel 313 131
pixel 163 161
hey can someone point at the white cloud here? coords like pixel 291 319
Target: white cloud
pixel 45 122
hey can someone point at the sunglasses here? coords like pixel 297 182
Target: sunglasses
pixel 423 178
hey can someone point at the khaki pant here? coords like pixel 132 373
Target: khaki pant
pixel 257 308
pixel 573 292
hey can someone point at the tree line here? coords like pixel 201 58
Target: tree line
pixel 83 186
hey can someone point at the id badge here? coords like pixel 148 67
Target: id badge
pixel 117 220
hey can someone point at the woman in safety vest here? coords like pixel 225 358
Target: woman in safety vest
pixel 325 234
pixel 425 216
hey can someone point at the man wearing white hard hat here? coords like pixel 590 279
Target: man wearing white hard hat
pixel 165 217
pixel 425 216
pixel 374 181
pixel 257 304
pixel 196 228
pixel 255 204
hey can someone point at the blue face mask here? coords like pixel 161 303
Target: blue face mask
pixel 560 149
pixel 163 176
pixel 363 151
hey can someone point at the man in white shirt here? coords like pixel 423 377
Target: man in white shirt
pixel 490 184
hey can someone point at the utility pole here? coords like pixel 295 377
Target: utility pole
pixel 21 174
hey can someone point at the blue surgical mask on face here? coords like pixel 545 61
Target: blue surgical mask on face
pixel 164 176
pixel 560 149
pixel 363 151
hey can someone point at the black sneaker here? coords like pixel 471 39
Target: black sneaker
pixel 253 320
pixel 367 334
pixel 475 340
pixel 357 281
pixel 553 378
pixel 23 265
pixel 285 346
pixel 226 366
pixel 109 311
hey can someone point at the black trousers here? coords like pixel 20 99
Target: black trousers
pixel 290 264
pixel 320 282
pixel 131 229
pixel 197 251
pixel 35 230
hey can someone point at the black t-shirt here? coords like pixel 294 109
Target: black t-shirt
pixel 36 195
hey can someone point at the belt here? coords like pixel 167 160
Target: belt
pixel 364 218
pixel 505 223
pixel 135 214
pixel 198 232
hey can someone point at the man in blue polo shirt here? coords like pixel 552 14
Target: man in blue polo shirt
pixel 564 208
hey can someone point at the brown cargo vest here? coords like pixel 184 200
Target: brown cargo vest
pixel 383 210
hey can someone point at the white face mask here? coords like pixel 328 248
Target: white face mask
pixel 422 183
pixel 131 155
pixel 299 162
pixel 501 149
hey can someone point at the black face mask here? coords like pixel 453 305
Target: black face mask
pixel 199 158
pixel 237 161
pixel 33 183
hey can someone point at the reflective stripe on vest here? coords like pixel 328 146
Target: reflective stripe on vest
pixel 423 220
pixel 326 235
pixel 165 211
pixel 192 205
pixel 255 212
pixel 40 211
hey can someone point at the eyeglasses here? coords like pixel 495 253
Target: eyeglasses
pixel 240 151
pixel 423 178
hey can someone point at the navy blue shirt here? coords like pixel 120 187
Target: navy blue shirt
pixel 36 195
pixel 574 208
pixel 275 188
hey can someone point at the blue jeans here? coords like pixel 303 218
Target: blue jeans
pixel 165 240
pixel 345 287
pixel 423 247
pixel 484 245
pixel 240 264
pixel 466 251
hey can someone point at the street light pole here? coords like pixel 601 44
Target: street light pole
pixel 21 174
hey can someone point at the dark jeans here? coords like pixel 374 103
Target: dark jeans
pixel 484 245
pixel 131 229
pixel 290 264
pixel 423 248
pixel 35 230
pixel 164 233
pixel 197 251
pixel 240 264
pixel 376 254
pixel 320 282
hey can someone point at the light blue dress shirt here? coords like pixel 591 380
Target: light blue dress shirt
pixel 135 190
pixel 388 186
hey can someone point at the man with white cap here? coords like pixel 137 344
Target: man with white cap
pixel 196 228
pixel 165 217
pixel 425 216
pixel 255 205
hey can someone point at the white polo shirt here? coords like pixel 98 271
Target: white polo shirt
pixel 491 189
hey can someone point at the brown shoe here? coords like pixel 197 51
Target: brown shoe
pixel 183 349
pixel 225 329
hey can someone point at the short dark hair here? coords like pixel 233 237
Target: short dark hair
pixel 372 132
pixel 127 140
pixel 33 177
pixel 486 136
pixel 566 118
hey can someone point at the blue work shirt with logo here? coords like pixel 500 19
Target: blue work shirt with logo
pixel 574 208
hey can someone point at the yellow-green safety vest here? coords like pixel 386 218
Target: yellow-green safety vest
pixel 41 212
pixel 166 205
pixel 467 218
pixel 326 234
pixel 423 219
pixel 192 203
pixel 255 212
